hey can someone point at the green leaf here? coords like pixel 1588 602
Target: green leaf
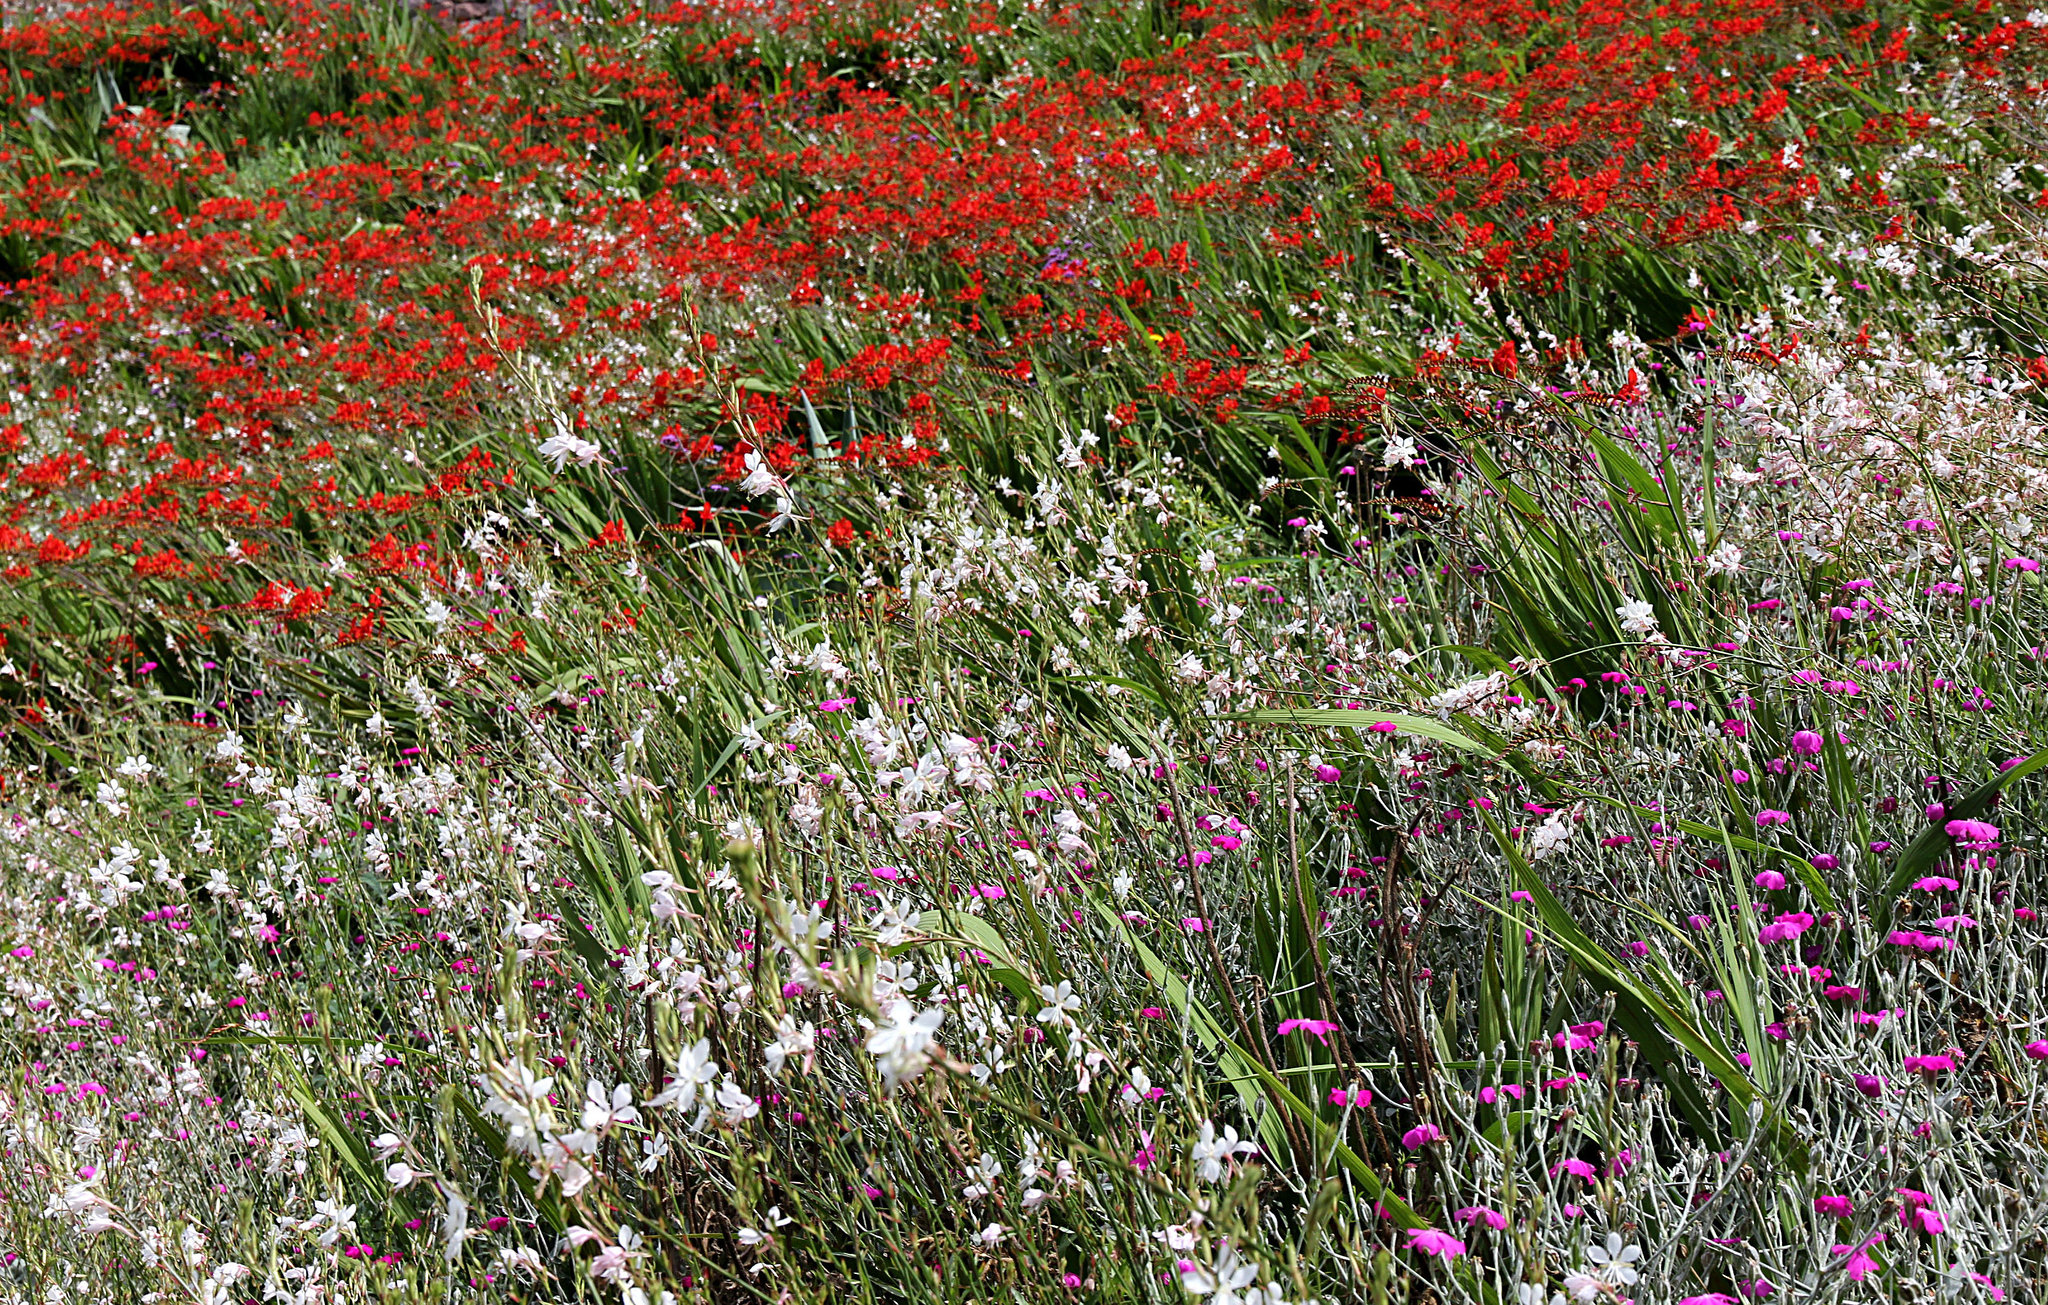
pixel 973 931
pixel 1324 717
pixel 1925 850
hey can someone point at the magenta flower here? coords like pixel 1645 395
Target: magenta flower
pixel 1321 1029
pixel 1870 1085
pixel 1807 743
pixel 1327 774
pixel 1420 1136
pixel 1493 1219
pixel 1786 927
pixel 1929 1065
pixel 1859 1262
pixel 1768 818
pixel 1937 884
pixel 2037 1050
pixel 1838 1207
pixel 1770 881
pixel 1976 834
pixel 1711 1298
pixel 1431 1242
pixel 1350 1097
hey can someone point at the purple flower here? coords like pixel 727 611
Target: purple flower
pixel 1870 1085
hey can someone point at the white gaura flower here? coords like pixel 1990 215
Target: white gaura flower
pixel 1060 1003
pixel 564 447
pixel 600 1112
pixel 1212 1154
pixel 902 1046
pixel 737 1105
pixel 1637 617
pixel 759 1237
pixel 524 1259
pixel 792 1039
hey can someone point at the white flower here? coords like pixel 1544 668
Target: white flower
pixel 1550 837
pixel 737 1105
pixel 1399 452
pixel 792 1040
pixel 340 1220
pixel 756 1237
pixel 1725 560
pixel 1582 1287
pixel 985 1173
pixel 1212 1154
pixel 1061 1002
pixel 563 446
pixel 1616 1262
pixel 1637 617
pixel 523 1258
pixel 1223 1280
pixel 990 1235
pixel 902 1046
pixel 760 478
pixel 600 1113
